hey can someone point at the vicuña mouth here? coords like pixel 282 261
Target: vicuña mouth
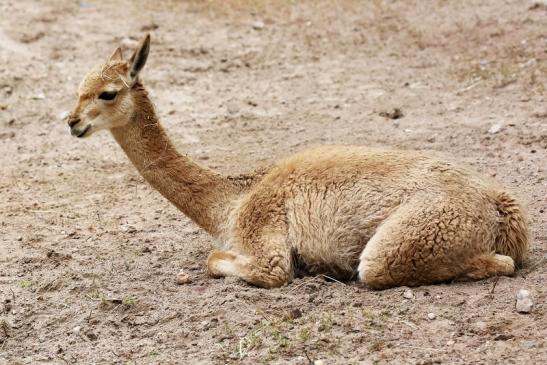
pixel 80 133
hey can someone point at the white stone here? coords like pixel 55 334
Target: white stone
pixel 258 25
pixel 62 115
pixel 496 128
pixel 76 330
pixel 408 294
pixel 431 316
pixel 524 302
pixel 232 107
pixel 480 327
pixel 129 43
pixel 183 278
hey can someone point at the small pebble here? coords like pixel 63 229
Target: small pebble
pixel 39 96
pixel 7 306
pixel 258 25
pixel 408 294
pixel 396 113
pixel 231 280
pixel 232 107
pixel 431 316
pixel 480 327
pixel 524 302
pixel 91 335
pixel 183 278
pixel 496 128
pixel 128 229
pixel 129 43
pixel 295 313
pixel 538 4
pixel 319 362
pixel 76 330
pixel 62 115
pixel 450 343
pixel 149 27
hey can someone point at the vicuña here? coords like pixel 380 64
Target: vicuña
pixel 384 217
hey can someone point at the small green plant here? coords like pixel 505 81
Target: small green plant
pixel 385 314
pixel 248 343
pixel 304 334
pixel 368 314
pixel 325 322
pixel 283 342
pixel 97 295
pixel 129 301
pixel 24 284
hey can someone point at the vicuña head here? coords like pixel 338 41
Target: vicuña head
pixel 105 94
pixel 112 97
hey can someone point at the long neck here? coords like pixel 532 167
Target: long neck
pixel 203 195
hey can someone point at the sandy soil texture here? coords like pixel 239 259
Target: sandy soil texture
pixel 89 253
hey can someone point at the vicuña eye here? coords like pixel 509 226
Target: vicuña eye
pixel 108 95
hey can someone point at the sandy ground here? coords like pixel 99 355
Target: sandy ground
pixel 89 252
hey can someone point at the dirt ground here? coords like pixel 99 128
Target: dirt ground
pixel 89 252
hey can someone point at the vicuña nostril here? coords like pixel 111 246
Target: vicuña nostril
pixel 73 122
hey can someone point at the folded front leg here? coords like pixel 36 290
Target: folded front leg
pixel 267 264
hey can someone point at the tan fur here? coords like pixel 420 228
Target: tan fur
pixel 385 217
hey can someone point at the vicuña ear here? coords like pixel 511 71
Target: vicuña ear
pixel 138 59
pixel 116 55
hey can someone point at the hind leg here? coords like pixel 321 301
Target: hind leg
pixel 424 242
pixel 488 265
